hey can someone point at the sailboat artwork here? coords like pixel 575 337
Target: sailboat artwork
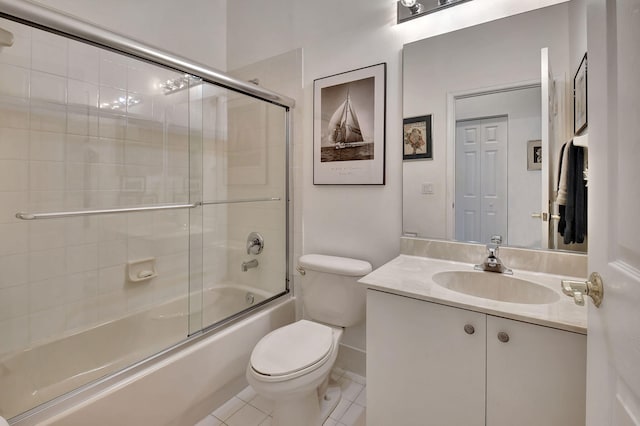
pixel 349 120
pixel 344 129
pixel 345 138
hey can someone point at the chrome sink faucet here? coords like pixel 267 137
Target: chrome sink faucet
pixel 493 263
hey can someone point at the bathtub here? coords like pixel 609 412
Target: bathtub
pixel 41 373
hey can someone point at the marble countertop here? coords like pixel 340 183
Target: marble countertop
pixel 411 276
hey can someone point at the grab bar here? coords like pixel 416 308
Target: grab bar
pixel 246 200
pixel 57 215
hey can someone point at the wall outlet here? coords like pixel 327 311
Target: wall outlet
pixel 427 188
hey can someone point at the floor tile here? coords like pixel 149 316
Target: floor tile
pixel 247 394
pixel 262 404
pixel 229 408
pixel 350 389
pixel 246 416
pixel 355 377
pixel 268 420
pixel 352 415
pixel 362 398
pixel 342 408
pixel 330 422
pixel 209 421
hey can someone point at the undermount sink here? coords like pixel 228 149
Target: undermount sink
pixel 494 286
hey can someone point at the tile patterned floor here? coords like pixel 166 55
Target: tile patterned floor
pixel 249 409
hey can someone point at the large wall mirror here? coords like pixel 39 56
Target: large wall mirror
pixel 500 96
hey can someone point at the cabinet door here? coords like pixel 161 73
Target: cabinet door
pixel 423 368
pixel 537 378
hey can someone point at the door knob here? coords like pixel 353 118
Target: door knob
pixel 503 337
pixel 469 329
pixel 578 289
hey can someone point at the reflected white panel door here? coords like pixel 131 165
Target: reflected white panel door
pixel 481 179
pixel 613 348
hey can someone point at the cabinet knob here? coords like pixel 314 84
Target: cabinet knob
pixel 503 337
pixel 469 329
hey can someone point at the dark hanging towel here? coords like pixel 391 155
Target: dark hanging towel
pixel 575 228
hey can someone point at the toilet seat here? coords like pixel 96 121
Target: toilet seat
pixel 292 351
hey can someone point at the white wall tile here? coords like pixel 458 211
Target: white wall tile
pixel 82 176
pixel 49 53
pixel 113 70
pixel 82 314
pixel 82 93
pixel 14 302
pixel 46 294
pixel 82 149
pixel 81 286
pixel 48 87
pixel 14 270
pixel 13 238
pixel 47 175
pixel 47 146
pixel 44 325
pixel 46 234
pixel 14 81
pixel 46 264
pixel 48 118
pixel 111 280
pixel 111 253
pixel 81 122
pixel 15 334
pixel 82 258
pixel 82 230
pixel 13 175
pixel 84 62
pixel 14 143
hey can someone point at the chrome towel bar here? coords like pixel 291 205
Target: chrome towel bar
pixel 57 215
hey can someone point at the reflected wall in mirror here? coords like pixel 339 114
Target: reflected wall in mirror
pixel 491 89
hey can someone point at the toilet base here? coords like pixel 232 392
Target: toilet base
pixel 329 402
pixel 299 411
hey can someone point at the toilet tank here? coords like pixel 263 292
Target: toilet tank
pixel 330 291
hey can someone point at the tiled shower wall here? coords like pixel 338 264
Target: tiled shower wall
pixel 69 142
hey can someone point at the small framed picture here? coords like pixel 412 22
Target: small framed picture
pixel 534 155
pixel 349 112
pixel 417 138
pixel 580 97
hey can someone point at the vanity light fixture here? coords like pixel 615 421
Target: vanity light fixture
pixel 413 6
pixel 410 9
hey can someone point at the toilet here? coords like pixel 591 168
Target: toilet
pixel 290 366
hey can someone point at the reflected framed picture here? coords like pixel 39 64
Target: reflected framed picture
pixel 580 97
pixel 417 138
pixel 534 155
pixel 349 116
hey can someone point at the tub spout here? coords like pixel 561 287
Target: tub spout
pixel 253 263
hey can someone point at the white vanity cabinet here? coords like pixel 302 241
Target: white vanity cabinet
pixel 537 377
pixel 431 364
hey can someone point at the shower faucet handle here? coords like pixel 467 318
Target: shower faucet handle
pixel 255 243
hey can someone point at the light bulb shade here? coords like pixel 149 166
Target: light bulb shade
pixel 408 3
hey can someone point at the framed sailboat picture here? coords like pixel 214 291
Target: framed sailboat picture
pixel 349 118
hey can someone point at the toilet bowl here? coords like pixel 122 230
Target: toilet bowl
pixel 291 365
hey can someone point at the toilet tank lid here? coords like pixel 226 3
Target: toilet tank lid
pixel 335 265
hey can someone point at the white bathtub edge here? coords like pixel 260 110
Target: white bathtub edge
pixel 183 388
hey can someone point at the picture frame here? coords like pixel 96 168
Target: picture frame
pixel 534 155
pixel 349 127
pixel 417 138
pixel 580 97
